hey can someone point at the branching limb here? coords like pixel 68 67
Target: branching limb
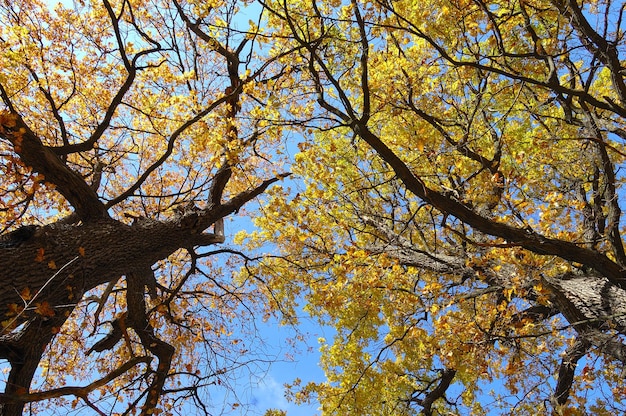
pixel 45 161
pixel 447 375
pixel 567 369
pixel 138 320
pixel 82 392
pixel 531 241
pixel 168 152
pixel 595 43
pixel 238 201
pixel 536 313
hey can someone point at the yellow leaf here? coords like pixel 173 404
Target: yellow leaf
pixel 25 294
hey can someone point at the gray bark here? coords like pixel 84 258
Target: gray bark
pixel 589 301
pixel 61 262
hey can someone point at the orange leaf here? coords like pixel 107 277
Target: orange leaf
pixel 44 309
pixel 13 309
pixel 39 257
pixel 25 294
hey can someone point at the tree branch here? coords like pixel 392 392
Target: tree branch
pixel 567 369
pixel 77 391
pixel 45 161
pixel 138 320
pixel 438 392
pixel 524 238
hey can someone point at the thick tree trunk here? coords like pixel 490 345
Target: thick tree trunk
pixel 589 301
pixel 58 264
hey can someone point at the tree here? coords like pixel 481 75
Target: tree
pixel 461 224
pixel 129 131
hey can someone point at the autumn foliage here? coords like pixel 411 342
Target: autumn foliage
pixel 438 181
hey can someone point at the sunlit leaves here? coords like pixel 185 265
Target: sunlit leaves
pixel 495 105
pixel 506 111
pixel 145 101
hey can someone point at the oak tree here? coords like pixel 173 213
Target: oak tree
pixel 129 131
pixel 461 225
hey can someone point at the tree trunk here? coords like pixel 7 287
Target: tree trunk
pixel 57 265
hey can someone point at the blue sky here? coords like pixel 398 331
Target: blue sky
pixel 269 392
pixel 300 360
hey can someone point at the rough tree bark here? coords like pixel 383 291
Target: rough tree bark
pixel 60 262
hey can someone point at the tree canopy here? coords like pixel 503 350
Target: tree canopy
pixel 461 225
pixel 130 130
pixel 440 181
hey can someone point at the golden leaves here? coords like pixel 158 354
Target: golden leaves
pixel 26 294
pixel 7 120
pixel 490 142
pixel 408 291
pixel 44 309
